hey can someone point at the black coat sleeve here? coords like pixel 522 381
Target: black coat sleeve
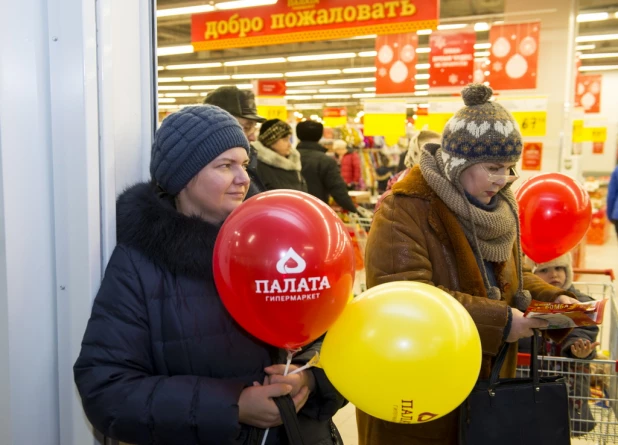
pixel 122 394
pixel 335 185
pixel 325 400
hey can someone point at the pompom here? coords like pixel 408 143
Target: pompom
pixel 476 94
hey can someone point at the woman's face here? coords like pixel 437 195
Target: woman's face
pixel 483 181
pixel 556 276
pixel 283 146
pixel 218 188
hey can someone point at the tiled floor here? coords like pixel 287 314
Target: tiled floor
pixel 596 257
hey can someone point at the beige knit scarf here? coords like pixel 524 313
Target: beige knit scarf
pixel 490 233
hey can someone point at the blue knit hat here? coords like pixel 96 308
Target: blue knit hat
pixel 188 140
pixel 482 131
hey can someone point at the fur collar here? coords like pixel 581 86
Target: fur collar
pixel 150 224
pixel 414 184
pixel 271 157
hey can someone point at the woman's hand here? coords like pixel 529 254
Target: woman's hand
pixel 522 327
pixel 297 381
pixel 565 299
pixel 583 348
pixel 256 407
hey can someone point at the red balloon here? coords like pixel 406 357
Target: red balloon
pixel 284 267
pixel 554 213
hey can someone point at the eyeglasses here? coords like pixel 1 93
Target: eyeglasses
pixel 496 174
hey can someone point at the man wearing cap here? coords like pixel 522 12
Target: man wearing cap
pixel 241 105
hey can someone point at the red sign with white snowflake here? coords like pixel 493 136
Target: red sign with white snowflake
pixel 514 56
pixel 588 92
pixel 451 58
pixel 396 63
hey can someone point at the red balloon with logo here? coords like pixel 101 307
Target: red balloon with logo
pixel 554 213
pixel 284 267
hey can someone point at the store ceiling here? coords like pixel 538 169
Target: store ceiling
pixel 175 90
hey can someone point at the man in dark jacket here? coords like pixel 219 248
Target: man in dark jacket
pixel 241 105
pixel 320 170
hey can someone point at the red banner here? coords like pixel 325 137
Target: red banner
pixel 514 56
pixel 290 21
pixel 531 156
pixel 451 58
pixel 270 87
pixel 396 63
pixel 334 112
pixel 588 92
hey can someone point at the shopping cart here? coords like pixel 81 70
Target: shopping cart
pixel 592 384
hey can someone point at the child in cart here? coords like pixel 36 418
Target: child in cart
pixel 580 344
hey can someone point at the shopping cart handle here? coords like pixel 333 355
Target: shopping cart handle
pixel 608 272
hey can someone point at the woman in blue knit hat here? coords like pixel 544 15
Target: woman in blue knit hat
pixel 453 222
pixel 162 361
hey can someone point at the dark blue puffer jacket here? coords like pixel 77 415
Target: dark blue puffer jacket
pixel 162 361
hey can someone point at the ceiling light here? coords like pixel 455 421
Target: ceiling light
pixel 368 69
pixel 159 68
pixel 169 79
pixel 452 26
pixel 421 87
pixel 368 36
pixel 367 54
pixel 422 66
pixel 184 11
pixel 312 57
pixel 191 66
pixel 331 96
pixel 339 90
pixel 313 106
pixel 169 107
pixel 592 17
pixel 255 61
pixel 298 97
pixel 312 73
pixel 421 93
pixel 173 50
pixel 482 45
pixel 340 104
pixel 596 38
pixel 598 56
pixel 301 91
pixel 258 76
pixel 204 78
pixel 357 80
pixel 241 86
pixel 423 50
pixel 363 95
pixel 616 14
pixel 244 4
pixel 165 100
pixel 182 94
pixel 481 54
pixel 481 26
pixel 424 32
pixel 305 83
pixel 598 67
pixel 369 89
pixel 584 47
pixel 421 76
pixel 171 88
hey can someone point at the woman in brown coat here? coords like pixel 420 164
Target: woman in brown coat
pixel 452 222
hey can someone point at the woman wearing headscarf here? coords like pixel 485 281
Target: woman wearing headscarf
pixel 278 165
pixel 162 361
pixel 452 222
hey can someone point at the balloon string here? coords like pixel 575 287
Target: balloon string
pixel 291 353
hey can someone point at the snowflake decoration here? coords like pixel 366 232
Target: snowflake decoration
pixel 439 42
pixel 453 79
pixel 497 66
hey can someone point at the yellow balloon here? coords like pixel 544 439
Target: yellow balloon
pixel 405 352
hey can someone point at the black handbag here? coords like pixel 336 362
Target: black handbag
pixel 519 411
